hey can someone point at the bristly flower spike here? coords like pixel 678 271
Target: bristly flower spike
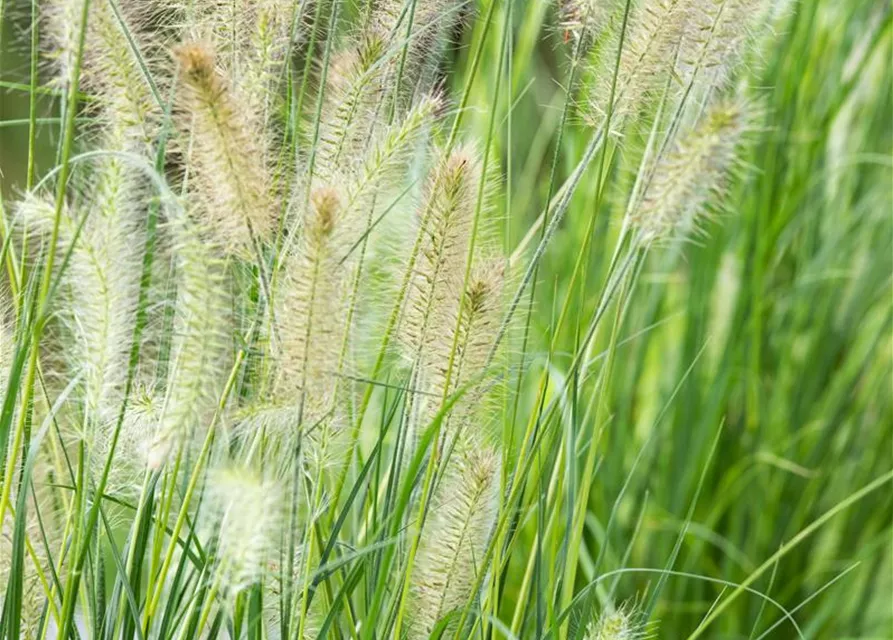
pixel 455 538
pixel 716 38
pixel 445 218
pixel 654 31
pixel 226 159
pixel 247 509
pixel 584 19
pixel 623 623
pixel 694 174
pixel 201 345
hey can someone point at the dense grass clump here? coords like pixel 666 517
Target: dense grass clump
pixel 439 319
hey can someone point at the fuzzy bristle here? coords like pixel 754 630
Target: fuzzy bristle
pixel 455 539
pixel 201 347
pixel 693 175
pixel 654 31
pixel 247 510
pixel 227 166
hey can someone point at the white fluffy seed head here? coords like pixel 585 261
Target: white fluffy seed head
pixel 715 39
pixel 201 349
pixel 225 158
pixel 694 174
pixel 653 33
pixel 445 218
pixel 455 538
pixel 247 510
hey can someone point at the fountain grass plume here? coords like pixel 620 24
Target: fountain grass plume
pixel 202 341
pixel 647 50
pixel 226 162
pixel 455 538
pixel 691 178
pixel 247 511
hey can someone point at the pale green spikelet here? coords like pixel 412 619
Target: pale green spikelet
pixel 716 37
pixel 247 512
pixel 445 218
pixel 455 538
pixel 227 171
pixel 113 73
pixel 201 347
pixel 693 175
pixel 653 33
pixel 625 622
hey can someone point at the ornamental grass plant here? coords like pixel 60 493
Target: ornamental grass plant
pixel 367 319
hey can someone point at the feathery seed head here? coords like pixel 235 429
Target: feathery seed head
pixel 101 287
pixel 247 510
pixel 654 31
pixel 134 443
pixel 325 205
pixel 110 70
pixel 455 537
pixel 584 19
pixel 445 218
pixel 693 175
pixel 312 300
pixel 353 106
pixel 478 323
pixel 197 62
pixel 32 567
pixel 225 153
pixel 424 41
pixel 201 345
pixel 623 623
pixel 716 36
